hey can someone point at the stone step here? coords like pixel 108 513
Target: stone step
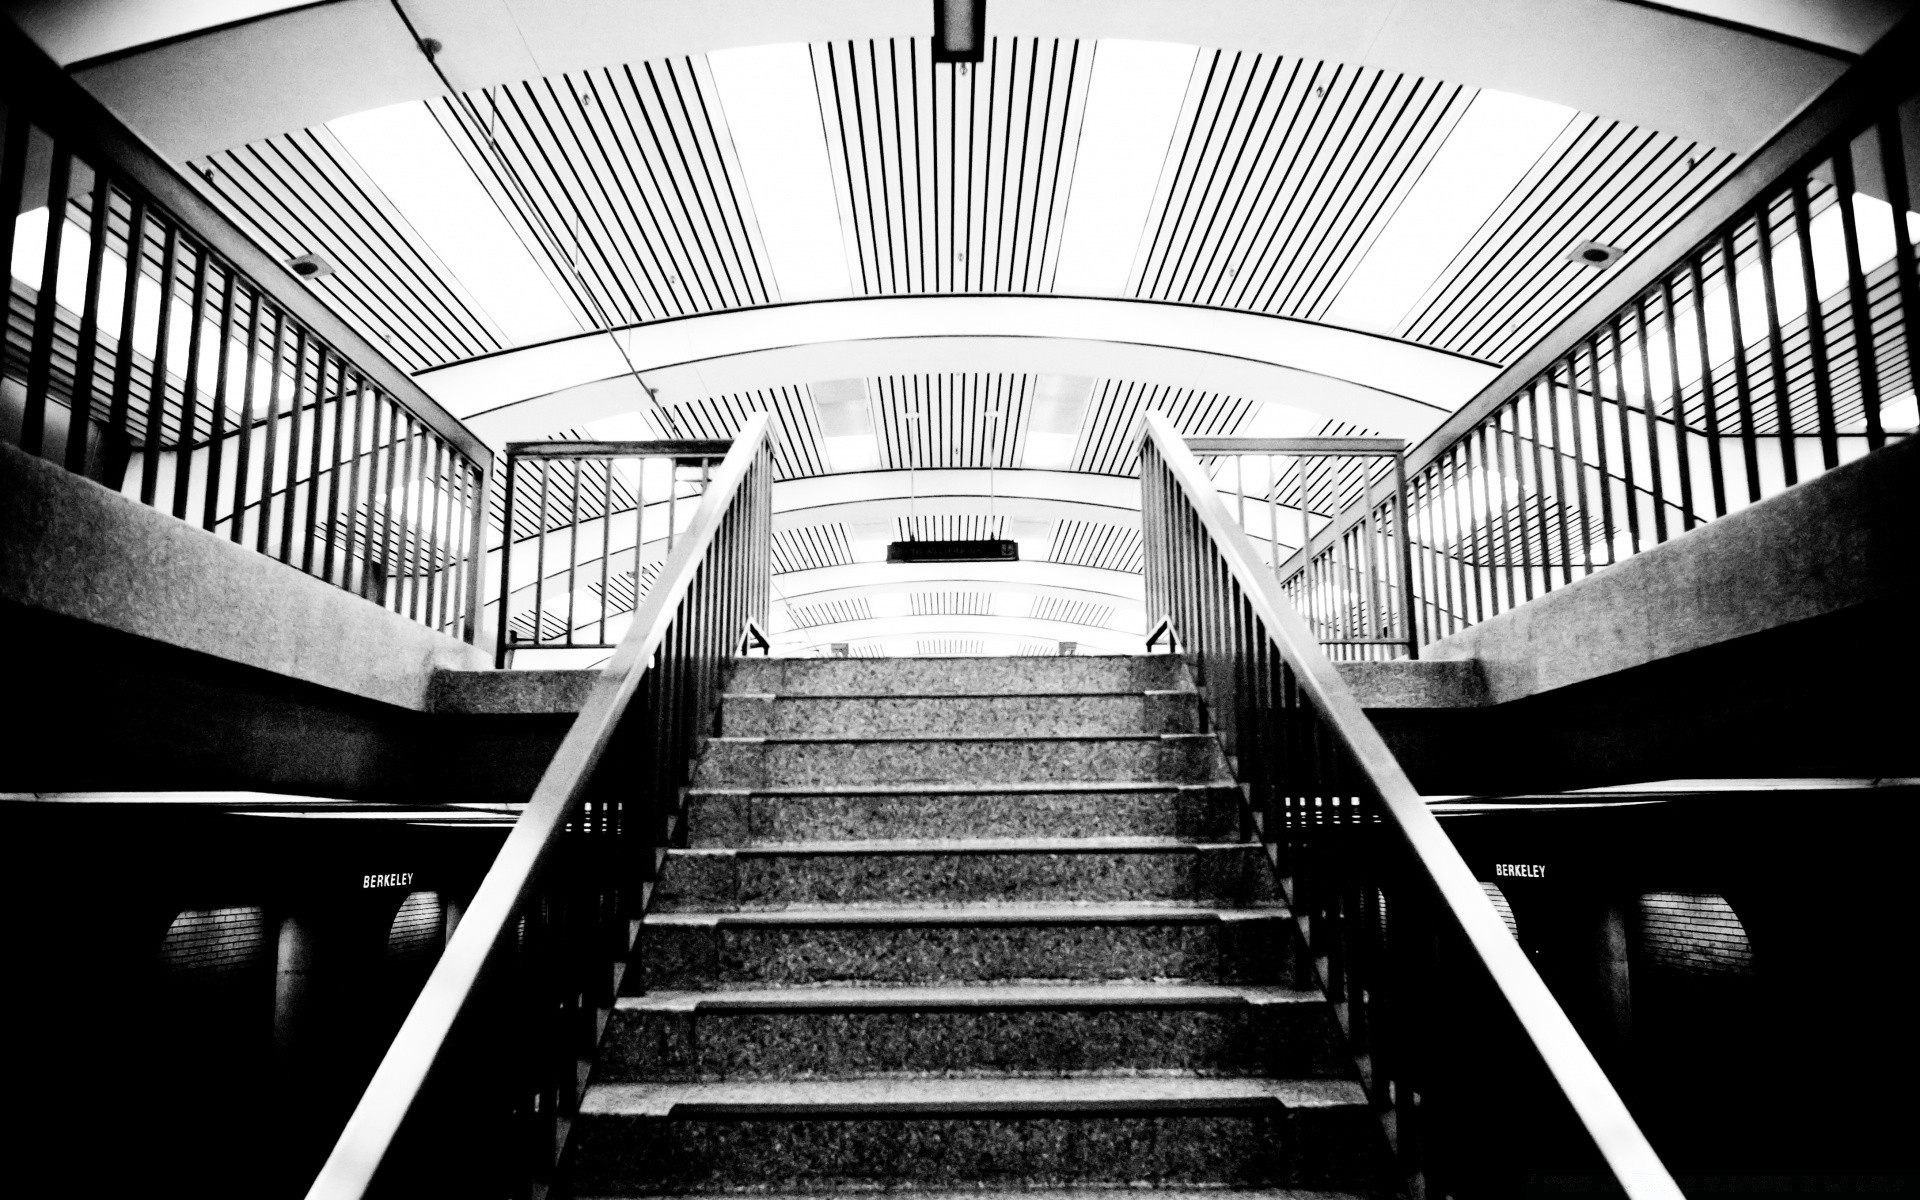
pixel 1023 1193
pixel 752 817
pixel 955 676
pixel 979 870
pixel 797 762
pixel 966 944
pixel 976 1029
pixel 636 1138
pixel 1059 714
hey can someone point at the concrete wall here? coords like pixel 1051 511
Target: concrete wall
pixel 1839 541
pixel 73 548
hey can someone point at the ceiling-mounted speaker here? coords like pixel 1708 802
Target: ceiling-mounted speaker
pixel 959 31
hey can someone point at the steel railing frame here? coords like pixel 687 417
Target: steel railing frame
pixel 1320 778
pixel 481 1082
pixel 574 461
pixel 404 482
pixel 1593 445
pixel 1352 581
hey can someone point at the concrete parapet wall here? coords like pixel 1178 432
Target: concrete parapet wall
pixel 71 547
pixel 1844 539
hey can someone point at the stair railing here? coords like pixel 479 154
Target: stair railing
pixel 1349 580
pixel 477 1093
pixel 1478 1075
pixel 602 514
pixel 1700 378
pixel 158 350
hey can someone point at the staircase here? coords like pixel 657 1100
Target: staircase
pixel 969 924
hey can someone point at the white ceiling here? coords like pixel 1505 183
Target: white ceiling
pixel 604 199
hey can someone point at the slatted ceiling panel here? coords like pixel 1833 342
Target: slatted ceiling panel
pixel 1073 612
pixel 1092 544
pixel 811 547
pixel 1110 444
pixel 1285 172
pixel 834 612
pixel 956 425
pixel 1605 181
pixel 620 175
pixel 300 193
pixel 621 594
pixel 953 182
pixel 952 604
pixel 954 527
pixel 796 451
pixel 1037 650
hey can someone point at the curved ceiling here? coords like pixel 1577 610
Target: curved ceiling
pixel 958 290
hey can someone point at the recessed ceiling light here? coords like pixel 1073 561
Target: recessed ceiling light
pixel 310 266
pixel 1594 254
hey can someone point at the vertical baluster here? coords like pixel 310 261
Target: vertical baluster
pixel 1742 383
pixel 573 545
pixel 1403 538
pixel 1541 546
pixel 87 351
pixel 217 417
pixel 540 556
pixel 432 454
pixel 510 499
pixel 340 447
pixel 315 462
pixel 270 454
pixel 606 541
pixel 1894 170
pixel 295 427
pixel 1776 347
pixel 1621 406
pixel 243 429
pixel 190 386
pixel 1816 328
pixel 413 502
pixel 46 309
pixel 357 525
pixel 1600 465
pixel 1499 434
pixel 387 572
pixel 1709 402
pixel 157 381
pixel 1656 464
pixel 1559 472
pixel 1863 336
pixel 13 178
pixel 1677 404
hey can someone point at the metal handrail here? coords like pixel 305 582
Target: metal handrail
pixel 1258 603
pixel 733 519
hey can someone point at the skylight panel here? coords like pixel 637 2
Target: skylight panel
pixel 1053 432
pixel 1133 101
pixel 846 424
pixel 773 114
pixel 408 157
pixel 1484 158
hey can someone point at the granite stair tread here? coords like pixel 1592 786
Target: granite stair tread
pixel 1018 913
pixel 971 928
pixel 1128 1093
pixel 1000 845
pixel 976 995
pixel 962 788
